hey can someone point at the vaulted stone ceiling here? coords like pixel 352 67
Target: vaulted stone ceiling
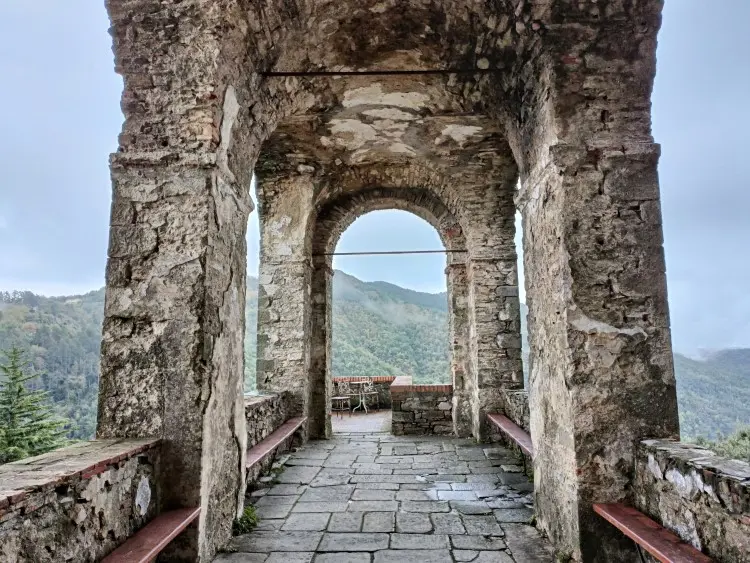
pixel 439 120
pixel 386 119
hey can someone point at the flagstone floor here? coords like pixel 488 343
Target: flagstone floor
pixel 378 498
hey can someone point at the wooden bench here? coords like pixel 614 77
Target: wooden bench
pixel 513 432
pixel 150 540
pixel 663 544
pixel 268 445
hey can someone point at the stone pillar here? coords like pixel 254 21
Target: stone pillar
pixel 321 379
pixel 284 288
pixel 494 309
pixel 458 318
pixel 601 371
pixel 495 334
pixel 172 347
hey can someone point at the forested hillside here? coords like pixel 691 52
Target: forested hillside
pixel 378 329
pixel 61 337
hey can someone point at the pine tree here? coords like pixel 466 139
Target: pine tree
pixel 27 425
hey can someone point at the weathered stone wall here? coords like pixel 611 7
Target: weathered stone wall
pixel 702 497
pixel 516 407
pixel 421 409
pixel 77 503
pixel 263 415
pixel 601 376
pixel 382 385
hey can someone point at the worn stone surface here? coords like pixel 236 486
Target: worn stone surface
pixel 702 497
pixel 402 521
pixel 565 109
pixel 77 503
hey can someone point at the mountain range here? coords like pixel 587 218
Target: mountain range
pixel 378 329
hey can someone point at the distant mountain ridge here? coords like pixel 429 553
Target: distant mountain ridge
pixel 378 329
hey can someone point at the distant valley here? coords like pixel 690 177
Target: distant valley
pixel 378 329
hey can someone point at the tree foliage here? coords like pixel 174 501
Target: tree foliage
pixel 378 329
pixel 735 446
pixel 27 425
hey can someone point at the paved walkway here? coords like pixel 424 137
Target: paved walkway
pixel 377 498
pixel 373 421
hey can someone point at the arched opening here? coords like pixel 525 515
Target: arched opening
pixel 389 311
pixel 331 221
pixel 250 340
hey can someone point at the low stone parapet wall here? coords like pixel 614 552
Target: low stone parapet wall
pixel 382 386
pixel 421 409
pixel 702 497
pixel 77 503
pixel 263 415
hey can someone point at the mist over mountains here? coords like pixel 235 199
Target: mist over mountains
pixel 378 329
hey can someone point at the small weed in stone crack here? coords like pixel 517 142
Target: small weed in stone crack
pixel 245 523
pixel 564 557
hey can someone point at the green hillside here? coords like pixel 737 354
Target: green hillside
pixel 378 329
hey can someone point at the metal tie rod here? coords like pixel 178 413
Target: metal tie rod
pixel 384 72
pixel 388 252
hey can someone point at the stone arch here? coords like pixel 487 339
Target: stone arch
pixel 569 91
pixel 332 219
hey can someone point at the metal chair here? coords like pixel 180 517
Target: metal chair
pixel 342 401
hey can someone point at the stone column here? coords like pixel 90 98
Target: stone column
pixel 494 310
pixel 601 372
pixel 321 380
pixel 172 346
pixel 284 288
pixel 495 334
pixel 458 318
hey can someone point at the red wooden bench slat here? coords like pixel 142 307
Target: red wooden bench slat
pixel 663 544
pixel 150 540
pixel 263 448
pixel 514 432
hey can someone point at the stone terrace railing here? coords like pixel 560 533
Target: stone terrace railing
pixel 77 503
pixel 382 386
pixel 421 409
pixel 702 497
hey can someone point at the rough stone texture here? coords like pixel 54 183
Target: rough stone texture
pixel 702 497
pixel 421 409
pixel 379 520
pixel 565 109
pixel 77 503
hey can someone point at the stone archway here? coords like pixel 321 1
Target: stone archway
pixel 565 85
pixel 332 219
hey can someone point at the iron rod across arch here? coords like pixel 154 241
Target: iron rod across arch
pixel 385 252
pixel 384 72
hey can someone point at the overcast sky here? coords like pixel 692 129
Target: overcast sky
pixel 60 118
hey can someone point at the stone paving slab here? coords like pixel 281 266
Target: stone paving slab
pixel 377 498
